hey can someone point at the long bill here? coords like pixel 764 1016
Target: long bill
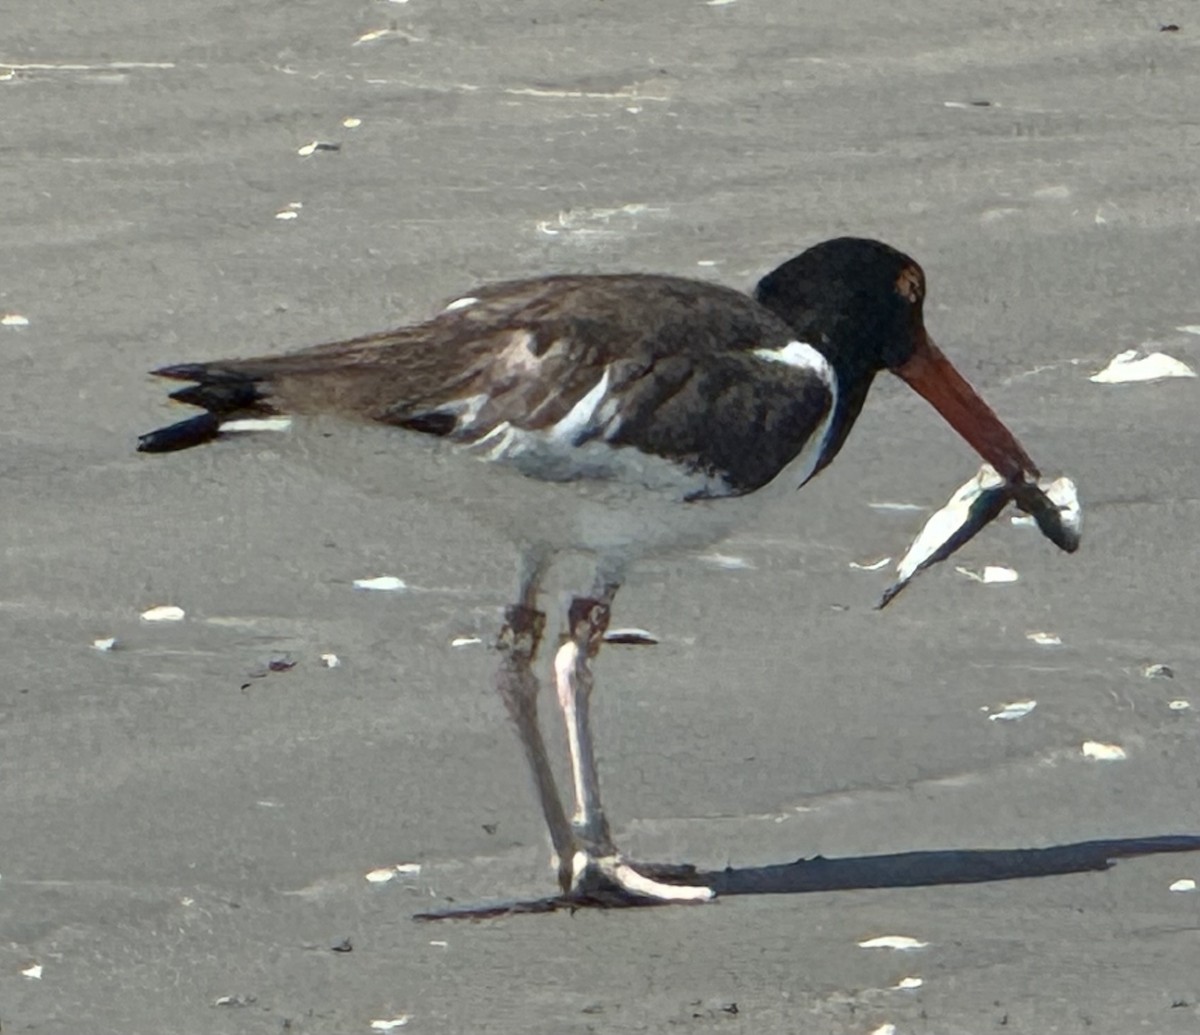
pixel 929 373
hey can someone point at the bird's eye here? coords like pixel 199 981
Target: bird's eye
pixel 911 284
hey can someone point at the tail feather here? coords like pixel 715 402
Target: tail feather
pixel 223 394
pixel 187 433
pixel 235 397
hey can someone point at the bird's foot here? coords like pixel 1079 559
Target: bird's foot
pixel 611 880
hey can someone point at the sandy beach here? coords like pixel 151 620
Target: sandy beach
pixel 186 822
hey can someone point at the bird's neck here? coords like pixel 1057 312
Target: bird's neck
pixel 853 382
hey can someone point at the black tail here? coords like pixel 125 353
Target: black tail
pixel 187 433
pixel 222 393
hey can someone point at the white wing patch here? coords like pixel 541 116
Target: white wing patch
pixel 582 414
pixel 281 423
pixel 557 453
pixel 802 356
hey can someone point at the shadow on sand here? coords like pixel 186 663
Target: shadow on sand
pixel 903 870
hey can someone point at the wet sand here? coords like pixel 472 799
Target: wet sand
pixel 183 839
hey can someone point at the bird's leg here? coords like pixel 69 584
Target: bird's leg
pixel 599 870
pixel 518 688
pixel 587 621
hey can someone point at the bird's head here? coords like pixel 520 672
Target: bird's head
pixel 861 303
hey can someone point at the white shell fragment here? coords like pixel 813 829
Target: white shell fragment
pixel 901 942
pixel 330 660
pixel 883 562
pixel 992 573
pixel 383 34
pixel 1183 884
pixel 1044 639
pixel 884 1029
pixel 386 873
pixel 391 1024
pixel 317 145
pixel 105 644
pixel 1013 711
pixel 291 211
pixel 384 583
pixel 33 971
pixel 1103 752
pixel 465 641
pixel 909 982
pixel 1135 365
pixel 164 613
pixel 351 122
pixel 1179 706
pixel 899 507
pixel 14 320
pixel 1158 672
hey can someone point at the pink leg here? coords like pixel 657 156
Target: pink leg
pixel 518 687
pixel 597 864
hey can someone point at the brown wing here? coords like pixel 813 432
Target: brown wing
pixel 535 345
pixel 676 356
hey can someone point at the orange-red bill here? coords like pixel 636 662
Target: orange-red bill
pixel 933 377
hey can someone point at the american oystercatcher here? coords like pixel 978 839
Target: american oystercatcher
pixel 651 411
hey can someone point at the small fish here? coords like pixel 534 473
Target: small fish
pixel 975 505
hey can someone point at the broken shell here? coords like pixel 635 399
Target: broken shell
pixel 1103 752
pixel 1135 365
pixel 391 1024
pixel 317 145
pixel 381 875
pixel 901 942
pixel 883 562
pixel 164 613
pixel 384 583
pixel 1015 710
pixel 993 573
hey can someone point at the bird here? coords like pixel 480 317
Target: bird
pixel 652 413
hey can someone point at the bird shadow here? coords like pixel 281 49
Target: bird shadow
pixel 805 876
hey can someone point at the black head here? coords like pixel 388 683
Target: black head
pixel 859 301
